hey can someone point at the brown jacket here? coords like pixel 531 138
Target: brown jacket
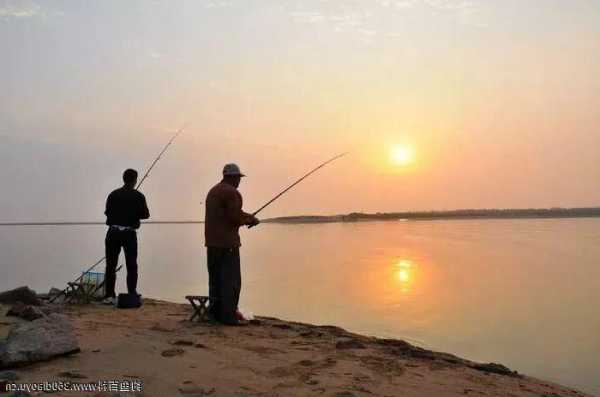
pixel 224 216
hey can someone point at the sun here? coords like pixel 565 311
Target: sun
pixel 401 155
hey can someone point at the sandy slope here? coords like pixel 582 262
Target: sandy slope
pixel 174 357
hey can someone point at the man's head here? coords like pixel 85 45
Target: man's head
pixel 130 178
pixel 232 174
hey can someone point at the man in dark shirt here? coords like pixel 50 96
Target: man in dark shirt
pixel 223 218
pixel 124 209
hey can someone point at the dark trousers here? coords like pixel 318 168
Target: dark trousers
pixel 115 239
pixel 224 282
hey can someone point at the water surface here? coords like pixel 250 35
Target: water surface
pixel 523 292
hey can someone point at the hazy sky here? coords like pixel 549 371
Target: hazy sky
pixel 498 101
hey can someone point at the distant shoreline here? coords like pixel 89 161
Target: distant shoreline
pixel 532 213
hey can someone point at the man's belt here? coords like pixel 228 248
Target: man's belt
pixel 122 228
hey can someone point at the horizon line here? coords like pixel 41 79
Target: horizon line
pixel 336 216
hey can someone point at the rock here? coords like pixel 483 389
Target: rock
pixel 183 342
pixel 306 363
pixel 282 326
pixel 172 352
pixel 159 328
pixel 349 344
pixel 16 309
pixel 399 344
pixel 343 394
pixel 21 294
pixel 424 354
pixel 39 340
pixel 311 334
pixel 71 375
pixel 404 349
pixel 190 389
pixel 200 346
pixel 495 369
pixel 421 353
pixel 26 312
pixel 9 376
pixel 332 330
pixel 54 291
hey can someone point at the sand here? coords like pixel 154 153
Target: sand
pixel 174 357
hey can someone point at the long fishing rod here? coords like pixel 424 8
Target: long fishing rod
pixel 137 188
pixel 160 155
pixel 297 182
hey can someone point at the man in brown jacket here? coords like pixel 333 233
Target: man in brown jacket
pixel 223 218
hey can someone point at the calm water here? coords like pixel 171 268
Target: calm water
pixel 521 292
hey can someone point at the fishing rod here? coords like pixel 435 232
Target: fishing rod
pixel 297 182
pixel 136 188
pixel 160 155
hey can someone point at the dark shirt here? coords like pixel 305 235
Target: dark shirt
pixel 125 207
pixel 224 216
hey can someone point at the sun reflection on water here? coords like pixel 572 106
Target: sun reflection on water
pixel 404 272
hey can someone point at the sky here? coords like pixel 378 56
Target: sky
pixel 491 104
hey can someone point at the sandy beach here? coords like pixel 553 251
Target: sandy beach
pixel 172 356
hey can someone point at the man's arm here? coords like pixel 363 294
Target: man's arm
pixel 109 205
pixel 109 208
pixel 233 210
pixel 144 211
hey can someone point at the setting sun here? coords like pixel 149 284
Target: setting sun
pixel 401 155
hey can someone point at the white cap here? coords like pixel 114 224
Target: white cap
pixel 232 169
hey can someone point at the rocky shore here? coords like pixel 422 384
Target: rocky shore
pixel 159 350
